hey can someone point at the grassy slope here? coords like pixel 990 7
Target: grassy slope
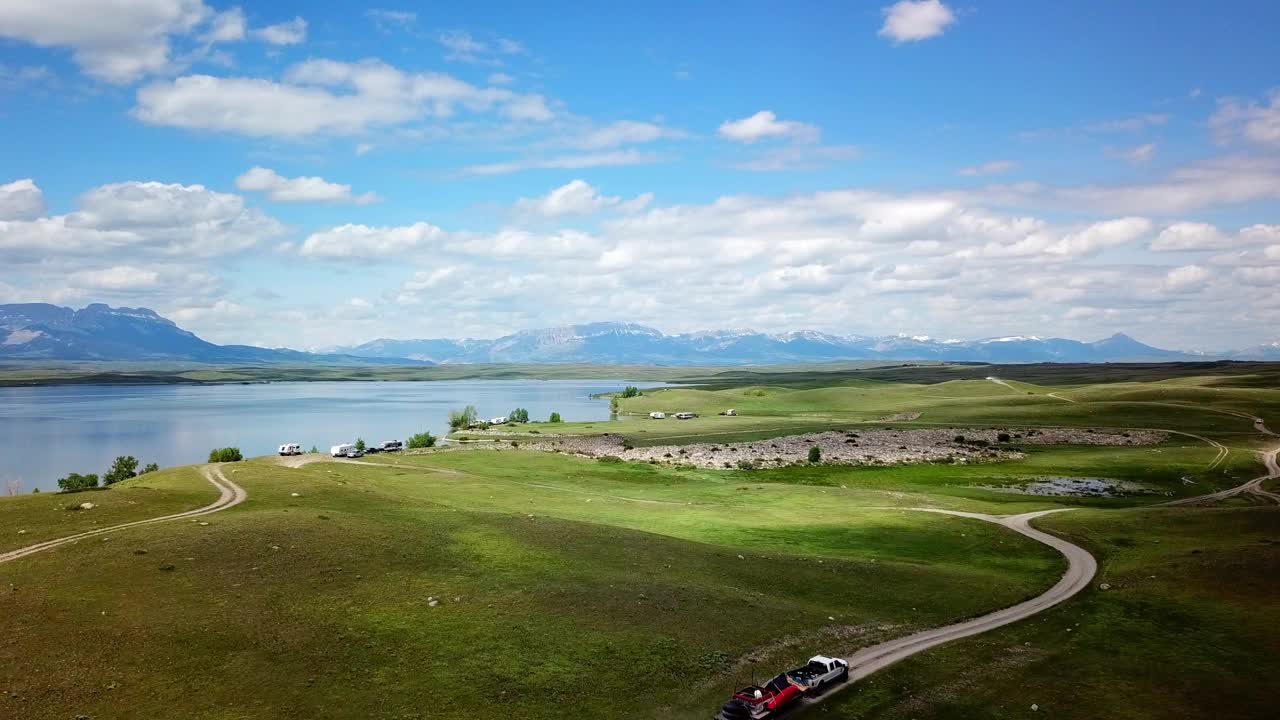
pixel 1186 630
pixel 317 604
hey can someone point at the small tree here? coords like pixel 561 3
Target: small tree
pixel 314 449
pixel 360 444
pixel 75 482
pixel 150 468
pixel 422 440
pixel 631 391
pixel 519 415
pixel 124 467
pixel 614 405
pixel 555 417
pixel 815 455
pixel 227 454
pixel 461 419
pixel 1003 437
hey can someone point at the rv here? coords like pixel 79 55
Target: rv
pixel 341 450
pixel 657 416
pixel 290 449
pixel 685 415
pixel 498 420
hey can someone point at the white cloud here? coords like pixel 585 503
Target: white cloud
pixel 118 44
pixel 290 32
pixel 911 21
pixel 501 79
pixel 1186 278
pixel 388 20
pixel 1249 120
pixel 1220 181
pixel 142 217
pixel 614 158
pixel 299 189
pixel 574 198
pixel 118 277
pixel 226 26
pixel 363 241
pixel 626 132
pixel 1138 155
pixel 1183 236
pixel 461 46
pixel 799 157
pixel 1131 123
pixel 766 125
pixel 21 200
pixel 993 167
pixel 323 97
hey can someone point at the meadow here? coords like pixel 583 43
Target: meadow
pixel 471 582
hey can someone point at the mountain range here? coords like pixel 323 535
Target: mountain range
pixel 38 331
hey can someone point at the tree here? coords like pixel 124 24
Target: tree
pixel 519 415
pixel 75 482
pixel 360 444
pixel 314 449
pixel 614 405
pixel 555 417
pixel 461 419
pixel 124 467
pixel 815 455
pixel 151 467
pixel 227 454
pixel 631 391
pixel 422 440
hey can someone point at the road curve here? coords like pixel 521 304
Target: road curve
pixel 229 495
pixel 1252 487
pixel 1081 567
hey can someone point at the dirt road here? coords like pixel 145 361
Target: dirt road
pixel 229 495
pixel 1252 487
pixel 1081 567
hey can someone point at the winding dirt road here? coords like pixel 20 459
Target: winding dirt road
pixel 1252 487
pixel 1081 567
pixel 229 495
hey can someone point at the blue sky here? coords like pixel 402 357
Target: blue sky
pixel 311 174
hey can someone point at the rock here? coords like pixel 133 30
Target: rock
pixel 295 494
pixel 433 603
pixel 1034 707
pixel 204 524
pixel 22 532
pixel 1104 586
pixel 87 506
pixel 741 558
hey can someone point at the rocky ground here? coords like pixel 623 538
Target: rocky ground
pixel 863 447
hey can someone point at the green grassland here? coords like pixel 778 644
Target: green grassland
pixel 569 587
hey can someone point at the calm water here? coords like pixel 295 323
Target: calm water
pixel 47 432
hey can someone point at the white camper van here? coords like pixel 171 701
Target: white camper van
pixel 341 450
pixel 657 415
pixel 291 449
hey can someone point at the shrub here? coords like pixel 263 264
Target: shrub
pixel 75 482
pixel 460 419
pixel 150 468
pixel 226 454
pixel 609 459
pixel 314 449
pixel 360 444
pixel 815 455
pixel 959 438
pixel 555 417
pixel 124 467
pixel 746 464
pixel 422 440
pixel 519 415
pixel 631 391
pixel 1003 437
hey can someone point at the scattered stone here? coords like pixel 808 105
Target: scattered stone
pixel 1034 707
pixel 1104 586
pixel 433 603
pixel 22 532
pixel 204 524
pixel 139 551
pixel 87 506
pixel 741 558
pixel 295 494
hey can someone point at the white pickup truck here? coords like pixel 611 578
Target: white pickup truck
pixel 819 673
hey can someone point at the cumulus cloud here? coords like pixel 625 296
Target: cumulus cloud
pixel 626 132
pixel 1187 278
pixel 226 26
pixel 915 20
pixel 21 200
pixel 577 197
pixel 142 217
pixel 119 45
pixel 324 97
pixel 1138 155
pixel 290 32
pixel 299 189
pixel 1183 236
pixel 1249 120
pixel 1215 182
pixel 363 241
pixel 461 46
pixel 766 125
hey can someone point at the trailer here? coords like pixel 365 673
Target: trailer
pixel 341 450
pixel 757 702
pixel 290 449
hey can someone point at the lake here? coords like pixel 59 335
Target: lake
pixel 47 432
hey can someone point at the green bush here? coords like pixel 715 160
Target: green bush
pixel 422 440
pixel 519 415
pixel 150 468
pixel 227 454
pixel 631 391
pixel 815 455
pixel 460 419
pixel 124 467
pixel 609 459
pixel 75 482
pixel 360 444
pixel 1003 437
pixel 555 417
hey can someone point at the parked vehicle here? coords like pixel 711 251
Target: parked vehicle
pixel 372 449
pixel 657 415
pixel 341 450
pixel 355 452
pixel 685 415
pixel 291 449
pixel 730 412
pixel 820 672
pixel 392 446
pixel 498 420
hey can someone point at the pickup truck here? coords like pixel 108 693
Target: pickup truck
pixel 756 702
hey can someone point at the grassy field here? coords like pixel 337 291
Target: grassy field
pixel 476 583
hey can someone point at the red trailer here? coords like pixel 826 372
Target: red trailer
pixel 756 702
